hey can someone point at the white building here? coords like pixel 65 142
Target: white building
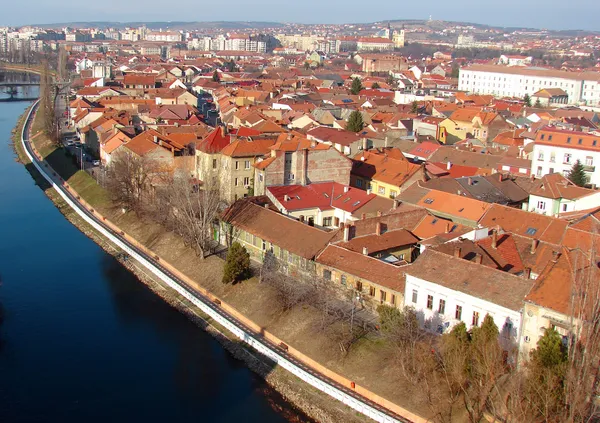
pixel 555 194
pixel 164 36
pixel 374 44
pixel 556 150
pixel 503 81
pixel 446 290
pixel 514 60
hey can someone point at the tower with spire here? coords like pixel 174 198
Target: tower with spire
pixel 398 38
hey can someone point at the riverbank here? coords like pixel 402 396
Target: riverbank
pixel 310 401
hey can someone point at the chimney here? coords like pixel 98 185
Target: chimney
pixel 266 205
pixel 286 197
pixel 347 233
pixel 499 177
pixel 527 273
pixel 478 258
pixel 448 166
pixel 534 245
pixel 363 216
pixel 378 213
pixel 447 228
pixel 457 252
pixel 494 239
pixel 378 228
pixel 395 204
pixel 555 256
pixel 365 251
pixel 346 188
pixel 469 181
pixel 301 218
pixel 342 225
pixel 155 139
pixel 223 131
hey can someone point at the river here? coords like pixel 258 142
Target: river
pixel 82 340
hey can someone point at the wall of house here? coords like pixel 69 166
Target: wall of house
pixel 236 181
pixel 546 158
pixel 507 320
pixel 369 293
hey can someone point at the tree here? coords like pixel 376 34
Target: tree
pixel 527 100
pixel 231 66
pixel 215 76
pixel 538 104
pixel 237 264
pixel 375 86
pixel 47 96
pixel 355 122
pixel 391 81
pixel 577 174
pixel 306 65
pixel 356 87
pixel 415 107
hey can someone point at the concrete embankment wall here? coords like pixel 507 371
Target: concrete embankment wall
pixel 338 387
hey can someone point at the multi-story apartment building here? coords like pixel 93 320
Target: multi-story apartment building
pixel 374 44
pixel 164 36
pixel 556 150
pixel 581 87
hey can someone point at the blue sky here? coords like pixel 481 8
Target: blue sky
pixel 552 14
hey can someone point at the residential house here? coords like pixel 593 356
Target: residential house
pixel 556 150
pixel 554 195
pixel 473 123
pixel 346 142
pixel 386 173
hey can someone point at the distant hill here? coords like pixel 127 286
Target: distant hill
pixel 173 25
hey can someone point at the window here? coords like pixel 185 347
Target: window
pixel 541 205
pixel 580 141
pixel 246 181
pixel 458 313
pixel 549 137
pixel 327 221
pixel 569 140
pixel 415 295
pixel 393 300
pixel 381 190
pixel 260 177
pixel 248 237
pixel 430 302
pixel 214 163
pixel 589 161
pixel 382 296
pixel 393 194
pixel 475 321
pixel 543 136
pixel 564 207
pixel 552 157
pixel 531 231
pixel 327 274
pixel 343 280
pixel 442 307
pixel 359 286
pixel 372 291
pixel 359 183
pixel 247 164
pixel 237 165
pixel 541 156
pixel 264 245
pixel 567 159
pixel 236 182
pixel 539 171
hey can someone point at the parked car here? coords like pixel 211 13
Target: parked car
pixel 96 162
pixel 70 143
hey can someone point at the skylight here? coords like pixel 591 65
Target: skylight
pixel 356 203
pixel 428 201
pixel 531 231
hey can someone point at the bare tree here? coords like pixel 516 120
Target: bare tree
pixel 47 96
pixel 195 211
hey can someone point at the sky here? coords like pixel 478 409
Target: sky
pixel 550 14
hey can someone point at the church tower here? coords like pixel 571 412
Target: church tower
pixel 399 38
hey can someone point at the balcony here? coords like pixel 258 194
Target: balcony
pixel 589 168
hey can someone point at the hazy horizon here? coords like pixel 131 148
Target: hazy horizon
pixel 550 14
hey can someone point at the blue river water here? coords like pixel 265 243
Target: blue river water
pixel 82 340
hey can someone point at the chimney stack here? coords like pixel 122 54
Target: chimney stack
pixel 494 239
pixel 365 251
pixel 534 245
pixel 378 213
pixel 499 177
pixel 457 252
pixel 469 181
pixel 478 258
pixel 286 197
pixel 301 218
pixel 342 225
pixel 346 188
pixel 395 205
pixel 447 228
pixel 448 166
pixel 378 228
pixel 527 273
pixel 363 216
pixel 347 233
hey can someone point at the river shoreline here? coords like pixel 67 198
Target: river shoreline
pixel 306 399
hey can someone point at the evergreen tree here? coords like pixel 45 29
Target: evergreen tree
pixel 216 77
pixel 538 103
pixel 355 122
pixel 577 174
pixel 230 66
pixel 391 81
pixel 527 100
pixel 415 107
pixel 237 264
pixel 306 65
pixel 356 86
pixel 375 86
pixel 550 351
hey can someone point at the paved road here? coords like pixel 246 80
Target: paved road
pixel 155 261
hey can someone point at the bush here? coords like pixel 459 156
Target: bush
pixel 237 264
